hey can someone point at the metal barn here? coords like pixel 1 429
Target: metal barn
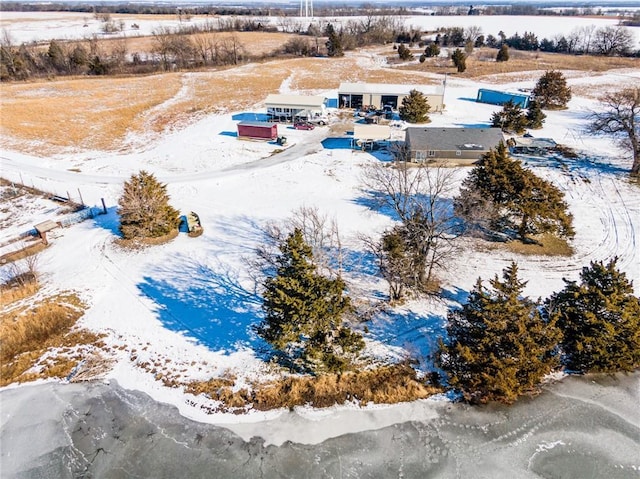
pixel 359 95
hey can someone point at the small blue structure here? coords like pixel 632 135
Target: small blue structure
pixel 495 97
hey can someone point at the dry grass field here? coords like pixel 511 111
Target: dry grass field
pixel 44 342
pixel 382 385
pixel 481 64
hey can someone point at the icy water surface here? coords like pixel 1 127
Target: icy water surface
pixel 580 428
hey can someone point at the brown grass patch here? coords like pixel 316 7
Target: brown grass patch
pixel 139 243
pixel 18 288
pixel 85 113
pixel 384 385
pixel 542 245
pixel 482 65
pixel 41 341
pixel 29 250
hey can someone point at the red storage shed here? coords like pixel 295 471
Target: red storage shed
pixel 258 130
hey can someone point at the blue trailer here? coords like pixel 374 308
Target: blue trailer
pixel 495 97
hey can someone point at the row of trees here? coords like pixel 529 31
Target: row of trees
pixel 609 40
pixel 501 344
pixel 92 57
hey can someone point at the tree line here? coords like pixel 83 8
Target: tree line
pixel 611 40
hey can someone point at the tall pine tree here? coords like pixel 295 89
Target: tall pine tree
pixel 144 208
pixel 518 201
pixel 551 91
pixel 459 60
pixel 498 346
pixel 511 119
pixel 535 115
pixel 503 53
pixel 334 42
pixel 415 107
pixel 304 311
pixel 600 320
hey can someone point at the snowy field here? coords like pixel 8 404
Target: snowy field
pixel 188 306
pixel 26 27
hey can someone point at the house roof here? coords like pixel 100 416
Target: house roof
pixel 371 132
pixel 348 88
pixel 295 101
pixel 449 139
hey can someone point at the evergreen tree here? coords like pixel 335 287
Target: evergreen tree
pixel 503 54
pixel 144 208
pixel 395 263
pixel 334 42
pixel 516 199
pixel 404 53
pixel 535 115
pixel 551 91
pixel 415 107
pixel 432 50
pixel 459 60
pixel 499 347
pixel 599 319
pixel 304 310
pixel 57 57
pixel 510 119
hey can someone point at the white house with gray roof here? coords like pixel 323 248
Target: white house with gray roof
pixel 463 146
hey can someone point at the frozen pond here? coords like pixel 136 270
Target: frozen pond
pixel 579 428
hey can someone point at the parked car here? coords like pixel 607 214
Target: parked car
pixel 303 125
pixel 319 120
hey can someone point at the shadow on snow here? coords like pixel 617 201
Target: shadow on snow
pixel 250 116
pixel 109 221
pixel 414 333
pixel 209 305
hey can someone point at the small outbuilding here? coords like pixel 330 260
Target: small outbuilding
pixel 496 97
pixel 257 130
pixel 379 95
pixel 461 146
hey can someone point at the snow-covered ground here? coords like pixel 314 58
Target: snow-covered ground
pixel 188 306
pixel 26 27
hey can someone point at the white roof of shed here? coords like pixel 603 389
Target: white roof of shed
pixel 295 101
pixel 371 132
pixel 347 88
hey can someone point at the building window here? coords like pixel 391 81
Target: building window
pixel 458 152
pixel 431 153
pixel 420 155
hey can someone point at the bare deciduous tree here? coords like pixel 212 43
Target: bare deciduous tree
pixel 425 239
pixel 319 231
pixel 620 117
